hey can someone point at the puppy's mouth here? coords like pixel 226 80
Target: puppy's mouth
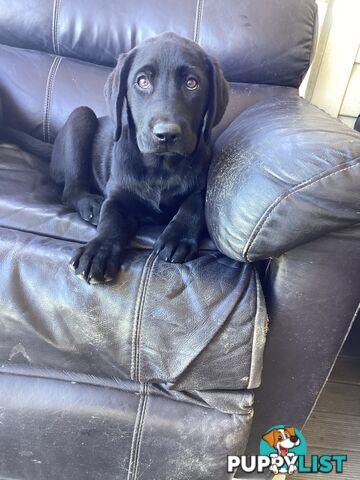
pixel 167 154
pixel 168 151
pixel 148 147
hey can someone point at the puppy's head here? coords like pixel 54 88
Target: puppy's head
pixel 175 94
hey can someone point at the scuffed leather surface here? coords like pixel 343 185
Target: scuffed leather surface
pixel 226 401
pixel 284 173
pixel 312 293
pixel 67 430
pixel 256 42
pixel 170 331
pixel 89 431
pixel 41 108
pixel 193 325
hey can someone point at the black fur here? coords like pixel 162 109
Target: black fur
pixel 148 161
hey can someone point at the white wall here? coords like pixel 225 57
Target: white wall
pixel 333 83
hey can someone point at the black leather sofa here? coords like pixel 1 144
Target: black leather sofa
pixel 152 377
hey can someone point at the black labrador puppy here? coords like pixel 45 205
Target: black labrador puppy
pixel 148 161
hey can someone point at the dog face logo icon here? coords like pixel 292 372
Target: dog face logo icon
pixel 283 444
pixel 283 439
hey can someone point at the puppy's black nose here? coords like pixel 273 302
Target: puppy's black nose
pixel 294 438
pixel 166 132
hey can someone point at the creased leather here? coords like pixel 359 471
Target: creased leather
pixel 237 402
pixel 284 173
pixel 71 409
pixel 254 43
pixel 190 325
pixel 312 294
pixel 65 430
pixel 41 109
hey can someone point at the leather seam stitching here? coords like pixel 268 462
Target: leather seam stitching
pixel 300 187
pixel 198 17
pixel 51 96
pixel 141 313
pixel 135 434
pixel 140 431
pixel 47 99
pixel 55 24
pixel 133 337
pixel 51 90
pixel 48 96
pixel 57 28
pixel 138 306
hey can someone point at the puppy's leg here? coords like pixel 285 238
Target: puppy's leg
pixel 71 163
pixel 179 242
pixel 99 260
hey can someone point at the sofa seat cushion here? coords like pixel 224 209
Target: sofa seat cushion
pixel 199 325
pixel 116 432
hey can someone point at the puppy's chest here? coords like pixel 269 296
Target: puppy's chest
pixel 163 192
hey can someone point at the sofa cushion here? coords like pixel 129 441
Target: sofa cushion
pixel 64 430
pixel 59 85
pixel 256 41
pixel 197 325
pixel 284 173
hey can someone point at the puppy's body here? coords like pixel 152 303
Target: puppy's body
pixel 149 165
pixel 158 183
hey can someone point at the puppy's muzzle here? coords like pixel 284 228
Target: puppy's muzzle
pixel 166 133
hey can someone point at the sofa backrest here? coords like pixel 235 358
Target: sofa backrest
pixel 256 42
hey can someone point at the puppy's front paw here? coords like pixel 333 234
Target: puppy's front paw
pixel 97 262
pixel 89 207
pixel 174 248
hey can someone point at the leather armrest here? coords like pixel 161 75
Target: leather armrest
pixel 283 173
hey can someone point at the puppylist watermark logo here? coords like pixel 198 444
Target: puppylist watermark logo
pixel 282 450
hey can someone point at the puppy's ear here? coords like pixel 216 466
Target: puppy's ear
pixel 291 431
pixel 115 90
pixel 218 97
pixel 270 438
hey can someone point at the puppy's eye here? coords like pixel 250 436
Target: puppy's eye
pixel 192 84
pixel 143 82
